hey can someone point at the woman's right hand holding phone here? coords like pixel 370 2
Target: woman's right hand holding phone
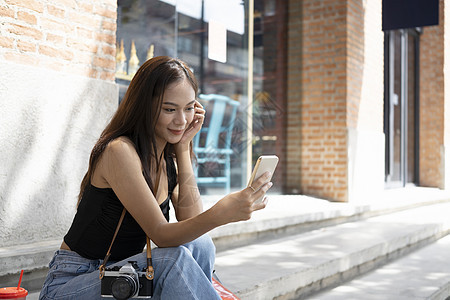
pixel 239 206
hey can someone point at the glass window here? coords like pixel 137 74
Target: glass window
pixel 269 83
pixel 212 36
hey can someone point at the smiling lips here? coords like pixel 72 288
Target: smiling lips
pixel 176 132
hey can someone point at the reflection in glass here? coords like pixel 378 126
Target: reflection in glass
pixel 179 28
pixel 397 107
pixel 411 146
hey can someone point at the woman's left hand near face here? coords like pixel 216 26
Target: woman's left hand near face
pixel 196 124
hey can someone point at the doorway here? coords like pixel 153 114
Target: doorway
pixel 401 109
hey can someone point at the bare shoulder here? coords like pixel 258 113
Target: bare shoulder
pixel 121 148
pixel 119 143
pixel 119 155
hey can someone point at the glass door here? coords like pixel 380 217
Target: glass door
pixel 401 107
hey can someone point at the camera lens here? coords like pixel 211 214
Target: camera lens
pixel 123 287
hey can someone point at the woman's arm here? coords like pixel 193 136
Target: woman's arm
pixel 120 166
pixel 186 197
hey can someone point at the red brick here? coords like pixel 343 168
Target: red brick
pixel 111 26
pixel 26 17
pixel 56 11
pixel 30 4
pixel 107 12
pixel 54 38
pixel 89 21
pixel 84 33
pixel 83 57
pixel 86 7
pixel 21 58
pixel 77 44
pixel 6 42
pixel 432 104
pixel 56 52
pixel 106 38
pixel 73 32
pixel 21 30
pixel 68 4
pixel 6 12
pixel 105 63
pixel 109 50
pixel 328 30
pixel 56 25
pixel 26 46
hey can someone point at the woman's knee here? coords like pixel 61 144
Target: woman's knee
pixel 203 252
pixel 171 254
pixel 203 244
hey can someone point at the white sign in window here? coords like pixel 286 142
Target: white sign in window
pixel 217 41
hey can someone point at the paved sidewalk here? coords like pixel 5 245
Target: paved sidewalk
pixel 424 274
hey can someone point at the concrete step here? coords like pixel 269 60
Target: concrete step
pixel 423 274
pixel 33 296
pixel 299 265
pixel 292 214
pixel 285 215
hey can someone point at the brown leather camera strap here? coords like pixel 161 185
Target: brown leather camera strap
pixel 149 272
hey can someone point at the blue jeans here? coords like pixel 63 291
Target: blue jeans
pixel 182 272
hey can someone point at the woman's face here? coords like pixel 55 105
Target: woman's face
pixel 177 112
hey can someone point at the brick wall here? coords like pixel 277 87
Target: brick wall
pixel 431 161
pixel 354 59
pixel 328 75
pixel 76 37
pixel 317 98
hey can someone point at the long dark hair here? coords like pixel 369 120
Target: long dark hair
pixel 138 113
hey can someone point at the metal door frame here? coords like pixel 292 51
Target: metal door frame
pixel 389 96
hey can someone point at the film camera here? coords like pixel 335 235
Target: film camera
pixel 126 282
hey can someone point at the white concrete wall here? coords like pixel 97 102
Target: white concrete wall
pixel 366 165
pixel 48 124
pixel 366 142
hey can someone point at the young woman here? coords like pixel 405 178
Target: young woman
pixel 148 141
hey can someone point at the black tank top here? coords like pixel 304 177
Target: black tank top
pixel 96 219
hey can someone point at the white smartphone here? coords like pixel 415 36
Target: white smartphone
pixel 263 164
